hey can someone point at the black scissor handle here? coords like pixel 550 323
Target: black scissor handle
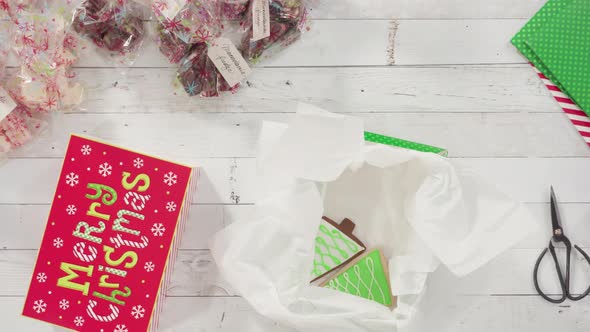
pixel 563 282
pixel 583 295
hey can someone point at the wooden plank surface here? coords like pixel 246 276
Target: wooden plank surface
pixel 456 82
pixel 195 274
pixel 463 89
pixel 433 9
pixel 461 313
pixel 526 179
pixel 334 43
pixel 215 135
pixel 25 224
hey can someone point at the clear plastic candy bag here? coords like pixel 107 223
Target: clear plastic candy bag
pixel 45 50
pixel 185 30
pixel 114 26
pixel 43 82
pixel 5 35
pixel 6 102
pixel 198 76
pixel 288 19
pixel 182 22
pixel 171 46
pixel 19 127
pixel 233 10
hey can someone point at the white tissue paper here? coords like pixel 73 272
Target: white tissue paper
pixel 419 208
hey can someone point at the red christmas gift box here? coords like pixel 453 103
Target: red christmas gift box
pixel 111 239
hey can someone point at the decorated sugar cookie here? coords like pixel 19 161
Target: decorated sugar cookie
pixel 367 277
pixel 334 246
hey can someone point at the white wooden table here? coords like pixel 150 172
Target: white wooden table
pixel 455 82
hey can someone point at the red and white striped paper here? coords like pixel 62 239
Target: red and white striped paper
pixel 579 119
pixel 174 252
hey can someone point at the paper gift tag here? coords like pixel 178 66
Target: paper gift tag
pixel 110 240
pixel 6 104
pixel 260 19
pixel 228 60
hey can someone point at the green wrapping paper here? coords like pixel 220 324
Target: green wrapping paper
pixel 557 41
pixel 400 143
pixel 551 8
pixel 563 44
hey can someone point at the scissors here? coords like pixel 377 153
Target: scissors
pixel 559 237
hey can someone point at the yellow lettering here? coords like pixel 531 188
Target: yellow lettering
pixel 104 283
pixel 92 212
pixel 141 177
pixel 114 294
pixel 66 281
pixel 109 198
pixel 127 255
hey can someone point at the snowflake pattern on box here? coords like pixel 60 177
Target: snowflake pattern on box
pixel 39 306
pixel 158 229
pixel 149 266
pixel 72 179
pixel 137 312
pixel 79 321
pixel 86 149
pixel 58 242
pixel 105 248
pixel 138 163
pixel 105 169
pixel 121 328
pixel 71 209
pixel 171 206
pixel 170 178
pixel 41 277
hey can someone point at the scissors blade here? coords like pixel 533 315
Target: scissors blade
pixel 555 216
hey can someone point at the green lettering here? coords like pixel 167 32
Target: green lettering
pixel 66 281
pixel 114 294
pixel 89 229
pixel 117 224
pixel 109 198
